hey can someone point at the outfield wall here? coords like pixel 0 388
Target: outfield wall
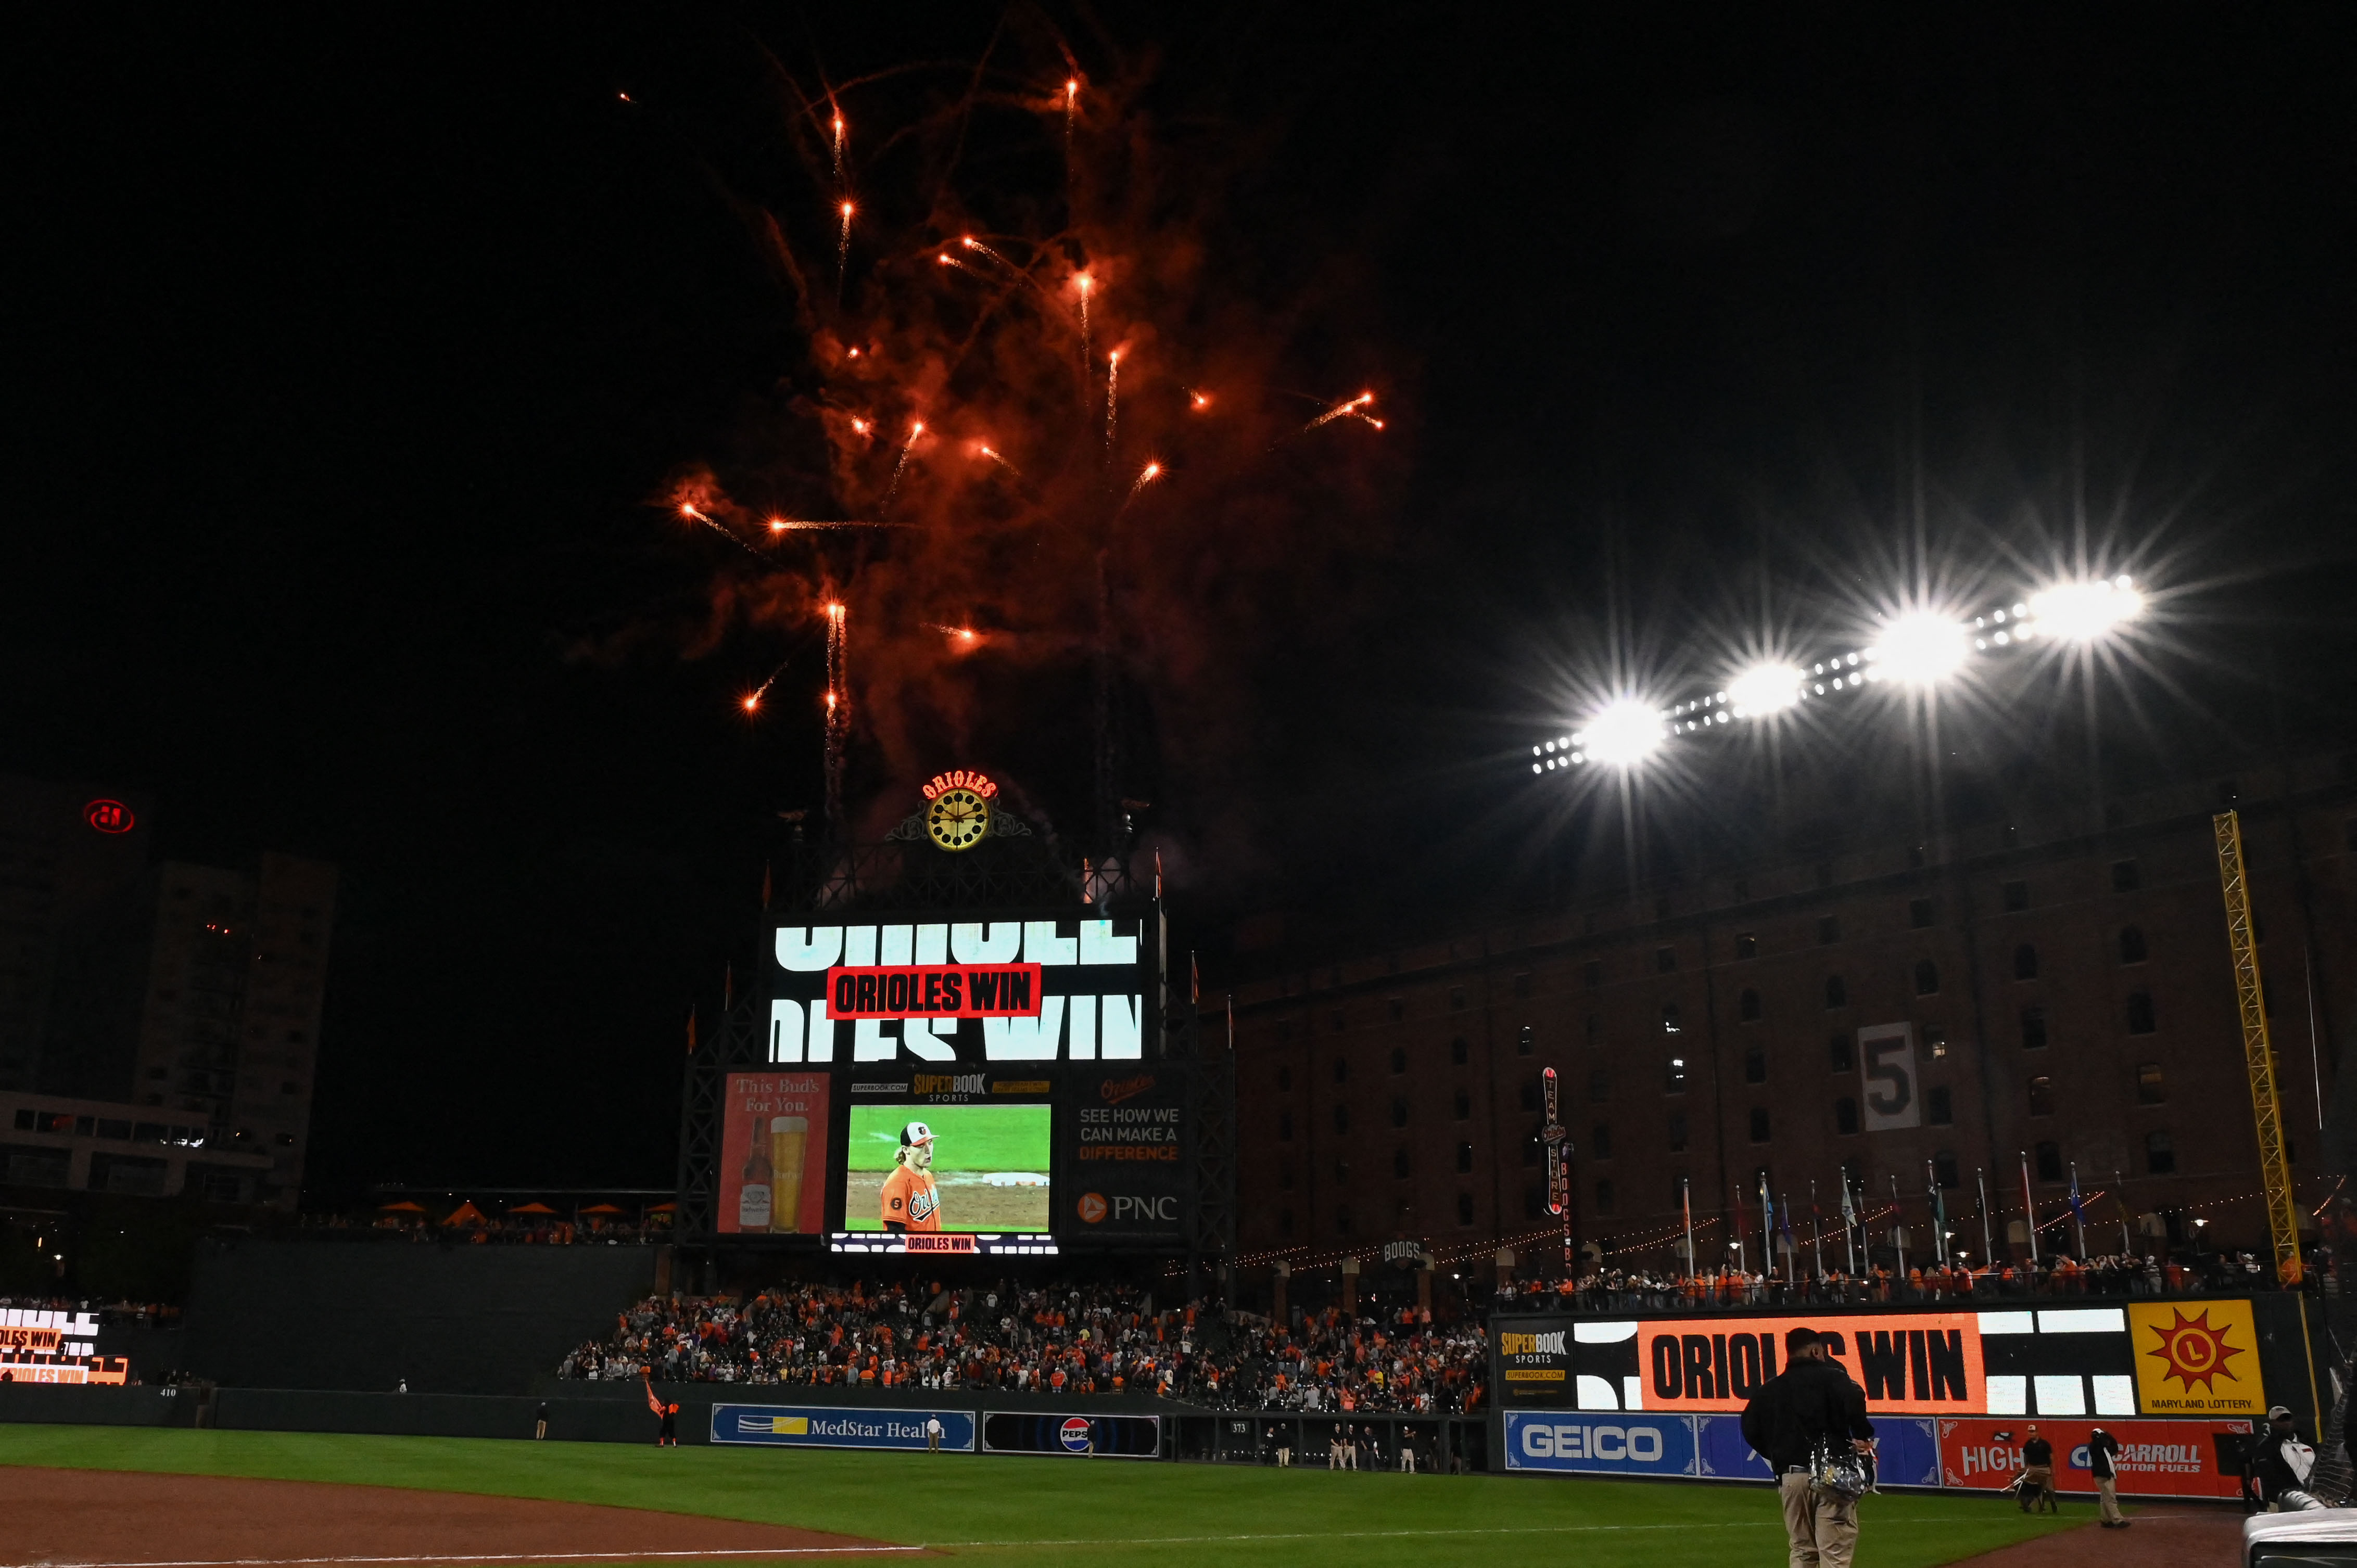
pixel 456 1319
pixel 1951 1386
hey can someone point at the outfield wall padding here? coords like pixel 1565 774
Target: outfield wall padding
pixel 369 1316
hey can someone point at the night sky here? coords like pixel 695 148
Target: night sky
pixel 352 362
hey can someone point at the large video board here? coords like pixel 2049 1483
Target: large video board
pixel 2157 1357
pixel 917 989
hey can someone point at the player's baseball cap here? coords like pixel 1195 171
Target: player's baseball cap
pixel 2279 1414
pixel 916 1133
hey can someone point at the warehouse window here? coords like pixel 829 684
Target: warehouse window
pixel 2139 1010
pixel 1343 1220
pixel 1399 1113
pixel 1747 945
pixel 1755 1063
pixel 2049 1161
pixel 1604 1196
pixel 1944 1170
pixel 1939 1106
pixel 1669 1017
pixel 1599 1141
pixel 1837 993
pixel 1458 1053
pixel 1600 1085
pixel 1838 1053
pixel 1399 1059
pixel 1530 1096
pixel 1464 1157
pixel 1534 1201
pixel 1285 1222
pixel 1465 1208
pixel 2041 1096
pixel 1678 1133
pixel 2025 962
pixel 2151 1090
pixel 1524 1041
pixel 1284 1126
pixel 1457 998
pixel 1342 1069
pixel 2132 948
pixel 1342 1118
pixel 1464 1106
pixel 2160 1155
pixel 1399 1165
pixel 2016 896
pixel 1927 977
pixel 1845 1116
pixel 1828 929
pixel 1759 1124
pixel 1533 1149
pixel 1592 973
pixel 1747 1006
pixel 1523 983
pixel 1665 960
pixel 1285 1078
pixel 2033 1028
pixel 2126 876
pixel 1919 913
pixel 1673 1076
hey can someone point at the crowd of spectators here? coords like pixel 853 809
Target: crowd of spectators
pixel 468 1226
pixel 1066 1338
pixel 1632 1290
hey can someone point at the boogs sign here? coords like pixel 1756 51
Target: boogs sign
pixel 1053 988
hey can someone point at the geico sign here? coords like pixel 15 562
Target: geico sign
pixel 1641 1445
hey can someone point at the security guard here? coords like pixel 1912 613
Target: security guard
pixel 1810 1408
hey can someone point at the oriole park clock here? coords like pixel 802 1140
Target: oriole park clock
pixel 957 809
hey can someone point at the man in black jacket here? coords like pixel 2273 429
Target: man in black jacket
pixel 2103 1463
pixel 1811 1406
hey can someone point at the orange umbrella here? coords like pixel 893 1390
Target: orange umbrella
pixel 602 1209
pixel 404 1206
pixel 465 1214
pixel 531 1209
pixel 663 1208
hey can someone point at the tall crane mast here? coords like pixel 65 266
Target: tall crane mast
pixel 2258 1053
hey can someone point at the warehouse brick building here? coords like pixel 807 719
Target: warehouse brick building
pixel 2068 997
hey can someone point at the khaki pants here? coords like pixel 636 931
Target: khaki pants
pixel 2038 1488
pixel 1820 1526
pixel 2107 1498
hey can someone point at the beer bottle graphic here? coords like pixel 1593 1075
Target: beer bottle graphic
pixel 753 1197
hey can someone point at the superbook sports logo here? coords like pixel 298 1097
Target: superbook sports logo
pixel 1531 1343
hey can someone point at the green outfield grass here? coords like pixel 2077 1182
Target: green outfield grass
pixel 966 1137
pixel 1053 1510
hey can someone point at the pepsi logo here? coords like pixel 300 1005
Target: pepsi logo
pixel 1093 1208
pixel 1074 1434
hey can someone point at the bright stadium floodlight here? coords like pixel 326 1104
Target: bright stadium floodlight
pixel 2082 612
pixel 1764 689
pixel 1622 734
pixel 1921 647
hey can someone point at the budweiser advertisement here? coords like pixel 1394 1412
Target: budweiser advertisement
pixel 2157 1458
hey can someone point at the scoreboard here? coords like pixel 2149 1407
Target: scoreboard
pixel 996 1085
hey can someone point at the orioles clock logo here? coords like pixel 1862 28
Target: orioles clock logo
pixel 2194 1352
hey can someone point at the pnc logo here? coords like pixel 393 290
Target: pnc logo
pixel 1093 1208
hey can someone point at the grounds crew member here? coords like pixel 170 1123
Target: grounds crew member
pixel 1810 1411
pixel 932 1435
pixel 2276 1467
pixel 2036 1483
pixel 2103 1463
pixel 910 1200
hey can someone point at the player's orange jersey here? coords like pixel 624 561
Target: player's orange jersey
pixel 910 1199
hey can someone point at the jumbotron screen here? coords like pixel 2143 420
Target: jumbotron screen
pixel 957 1169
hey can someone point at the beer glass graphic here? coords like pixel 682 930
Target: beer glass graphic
pixel 788 1136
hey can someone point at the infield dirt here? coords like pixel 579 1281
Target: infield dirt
pixel 97 1518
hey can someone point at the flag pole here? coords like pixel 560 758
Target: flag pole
pixel 2120 1200
pixel 1898 1227
pixel 1817 1229
pixel 1988 1244
pixel 2029 1206
pixel 2078 1213
pixel 1686 1200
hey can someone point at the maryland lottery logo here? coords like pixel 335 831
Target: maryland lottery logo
pixel 2196 1359
pixel 2196 1352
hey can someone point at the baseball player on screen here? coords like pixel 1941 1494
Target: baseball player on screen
pixel 910 1200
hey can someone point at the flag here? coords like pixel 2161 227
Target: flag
pixel 1785 1220
pixel 2078 1211
pixel 1849 1213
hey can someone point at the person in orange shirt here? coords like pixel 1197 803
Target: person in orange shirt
pixel 912 1202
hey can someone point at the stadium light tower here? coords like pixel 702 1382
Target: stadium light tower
pixel 1765 688
pixel 2085 612
pixel 1621 733
pixel 1922 647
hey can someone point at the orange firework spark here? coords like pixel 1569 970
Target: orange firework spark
pixel 1086 285
pixel 1113 399
pixel 809 524
pixel 842 246
pixel 1341 410
pixel 916 429
pixel 993 455
pixel 858 426
pixel 1198 401
pixel 838 147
